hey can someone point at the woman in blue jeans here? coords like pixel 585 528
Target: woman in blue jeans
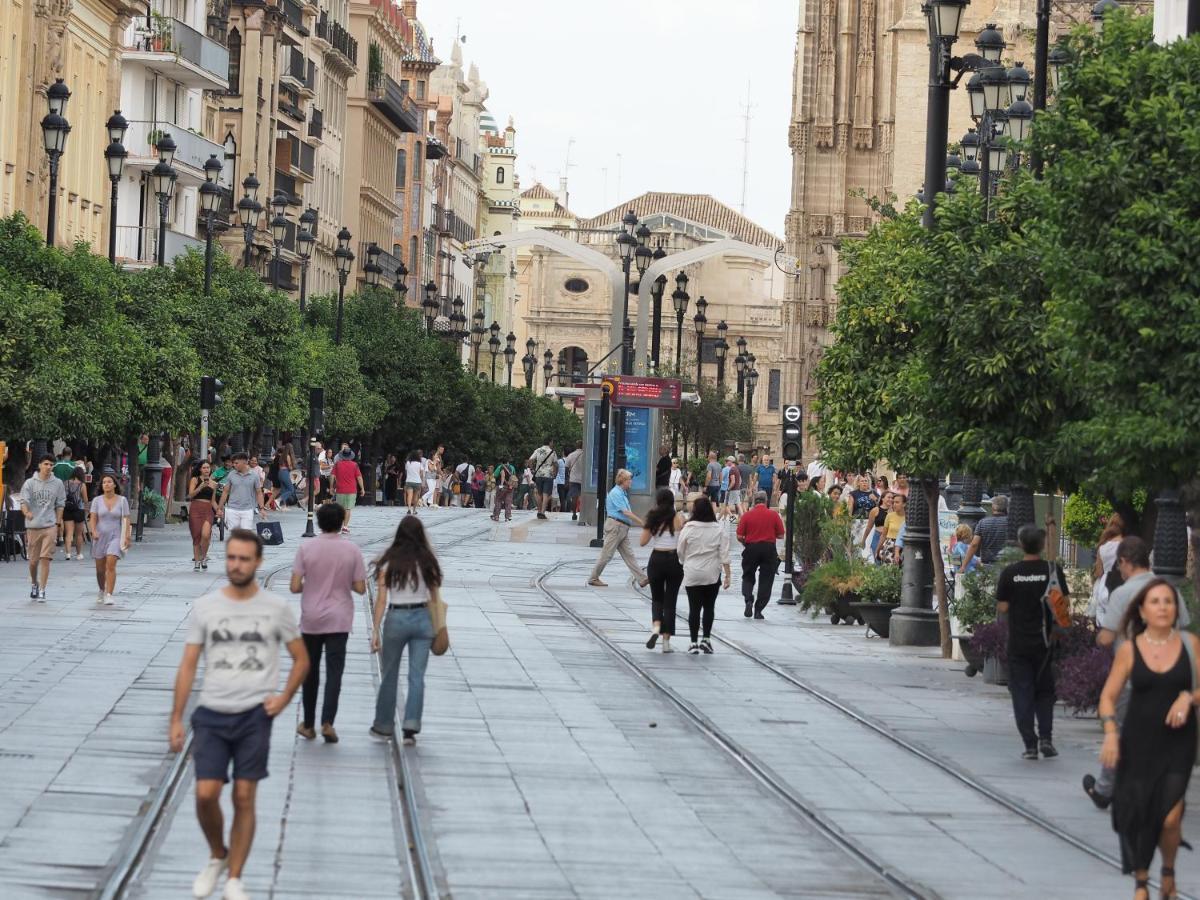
pixel 406 577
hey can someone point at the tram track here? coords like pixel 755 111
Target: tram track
pixel 155 816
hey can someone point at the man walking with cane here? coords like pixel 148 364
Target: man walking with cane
pixel 757 531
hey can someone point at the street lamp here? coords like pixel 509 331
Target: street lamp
pixel 477 333
pixel 115 155
pixel 548 365
pixel 751 383
pixel 1058 60
pixel 430 305
pixel 494 347
pixel 344 257
pixel 1098 12
pixel 279 226
pixel 55 129
pixel 162 180
pixel 249 210
pixel 510 355
pixel 306 237
pixel 458 319
pixel 656 292
pixel 944 19
pixel 700 321
pixel 528 363
pixel 721 350
pixel 371 269
pixel 210 199
pixel 679 299
pixel 400 285
pixel 739 364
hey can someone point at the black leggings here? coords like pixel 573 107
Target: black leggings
pixel 702 598
pixel 334 645
pixel 666 574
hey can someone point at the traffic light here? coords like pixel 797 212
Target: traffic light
pixel 793 434
pixel 209 398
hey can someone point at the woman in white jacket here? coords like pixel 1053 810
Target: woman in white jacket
pixel 703 549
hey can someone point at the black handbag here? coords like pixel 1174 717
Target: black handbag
pixel 271 533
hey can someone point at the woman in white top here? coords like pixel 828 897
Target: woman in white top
pixel 703 549
pixel 675 481
pixel 661 532
pixel 1105 574
pixel 414 475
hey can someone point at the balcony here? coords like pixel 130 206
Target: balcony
pixel 177 52
pixel 291 72
pixel 393 103
pixel 440 221
pixel 338 38
pixel 295 158
pixel 137 245
pixel 191 150
pixel 293 17
pixel 316 125
pixel 289 104
pixel 434 149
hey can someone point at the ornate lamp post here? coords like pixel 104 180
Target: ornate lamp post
pixel 249 210
pixel 371 268
pixel 55 129
pixel 210 199
pixel 548 366
pixel 656 292
pixel 564 376
pixel 679 299
pixel 400 285
pixel 700 321
pixel 477 333
pixel 721 350
pixel 751 383
pixel 739 363
pixel 306 237
pixel 162 179
pixel 458 320
pixel 430 305
pixel 344 257
pixel 279 227
pixel 529 363
pixel 494 347
pixel 115 155
pixel 944 18
pixel 510 355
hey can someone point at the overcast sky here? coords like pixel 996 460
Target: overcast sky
pixel 653 93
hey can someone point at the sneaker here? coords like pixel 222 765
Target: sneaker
pixel 574 516
pixel 306 731
pixel 196 565
pixel 1047 748
pixel 542 516
pixel 1030 753
pixel 410 738
pixel 234 890
pixel 694 649
pixel 377 735
pixel 204 564
pixel 108 600
pixel 653 639
pixel 99 597
pixel 33 591
pixel 328 732
pixel 759 615
pixel 596 582
pixel 1089 788
pixel 705 645
pixel 206 881
pixel 667 648
pixel 749 611
pixel 41 595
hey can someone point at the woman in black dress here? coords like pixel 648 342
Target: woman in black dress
pixel 1156 747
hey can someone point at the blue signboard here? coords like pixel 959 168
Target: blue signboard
pixel 639 457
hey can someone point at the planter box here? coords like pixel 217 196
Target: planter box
pixel 878 616
pixel 974 659
pixel 842 610
pixel 995 671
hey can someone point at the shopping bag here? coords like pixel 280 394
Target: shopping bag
pixel 437 613
pixel 271 533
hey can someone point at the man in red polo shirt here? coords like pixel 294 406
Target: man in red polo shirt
pixel 757 531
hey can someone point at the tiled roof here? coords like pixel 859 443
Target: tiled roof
pixel 559 212
pixel 540 192
pixel 700 208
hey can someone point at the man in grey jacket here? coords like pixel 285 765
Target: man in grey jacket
pixel 43 498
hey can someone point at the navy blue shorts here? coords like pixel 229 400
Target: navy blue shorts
pixel 244 738
pixel 714 494
pixel 545 485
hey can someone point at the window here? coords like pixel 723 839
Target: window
pixel 235 62
pixel 773 379
pixel 420 90
pixel 576 285
pixel 416 173
pixel 401 168
pixel 500 175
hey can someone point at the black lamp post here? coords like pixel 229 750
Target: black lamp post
pixel 162 180
pixel 477 333
pixel 371 268
pixel 656 292
pixel 548 366
pixel 721 350
pixel 279 226
pixel 115 155
pixel 944 18
pixel 430 305
pixel 739 363
pixel 494 346
pixel 679 299
pixel 306 237
pixel 510 355
pixel 249 211
pixel 210 199
pixel 751 383
pixel 344 257
pixel 529 363
pixel 458 320
pixel 700 321
pixel 564 376
pixel 55 129
pixel 400 285
pixel 1098 12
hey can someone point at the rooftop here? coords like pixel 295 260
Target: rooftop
pixel 701 208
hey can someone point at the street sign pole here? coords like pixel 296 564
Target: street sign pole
pixel 606 389
pixel 793 448
pixel 203 434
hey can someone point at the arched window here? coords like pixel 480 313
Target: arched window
pixel 401 168
pixel 500 175
pixel 235 62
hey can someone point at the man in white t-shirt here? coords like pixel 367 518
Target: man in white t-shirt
pixel 545 467
pixel 239 630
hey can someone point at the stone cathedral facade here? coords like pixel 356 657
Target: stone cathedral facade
pixel 857 131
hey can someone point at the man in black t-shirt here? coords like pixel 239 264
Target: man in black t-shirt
pixel 1019 594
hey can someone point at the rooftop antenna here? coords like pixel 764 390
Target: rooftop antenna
pixel 746 115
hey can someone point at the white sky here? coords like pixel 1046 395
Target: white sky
pixel 653 91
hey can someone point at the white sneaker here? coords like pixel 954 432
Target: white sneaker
pixel 41 595
pixel 206 881
pixel 666 642
pixel 108 600
pixel 234 890
pixel 694 649
pixel 99 597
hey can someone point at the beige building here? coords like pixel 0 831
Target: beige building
pixel 495 271
pixel 857 131
pixel 565 304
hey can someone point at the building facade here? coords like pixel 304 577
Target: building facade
pixel 496 285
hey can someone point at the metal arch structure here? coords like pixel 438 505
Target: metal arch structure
pixel 727 247
pixel 537 237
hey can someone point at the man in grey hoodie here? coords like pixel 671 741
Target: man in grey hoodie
pixel 43 498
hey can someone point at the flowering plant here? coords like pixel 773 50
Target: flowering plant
pixel 991 639
pixel 1081 677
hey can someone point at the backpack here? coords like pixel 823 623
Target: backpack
pixel 74 501
pixel 1113 578
pixel 1058 605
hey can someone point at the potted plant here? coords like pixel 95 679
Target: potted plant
pixel 809 526
pixel 160 31
pixel 832 587
pixel 155 508
pixel 878 596
pixel 152 138
pixel 990 642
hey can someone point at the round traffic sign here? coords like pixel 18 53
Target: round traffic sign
pixel 791 413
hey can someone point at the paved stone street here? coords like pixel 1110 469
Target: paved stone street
pixel 547 766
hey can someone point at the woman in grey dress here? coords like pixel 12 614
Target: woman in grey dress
pixel 110 536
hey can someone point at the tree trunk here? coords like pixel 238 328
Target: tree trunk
pixel 939 565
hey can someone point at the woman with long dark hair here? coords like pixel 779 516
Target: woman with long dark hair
pixel 703 549
pixel 1154 750
pixel 407 577
pixel 661 531
pixel 202 498
pixel 111 534
pixel 75 513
